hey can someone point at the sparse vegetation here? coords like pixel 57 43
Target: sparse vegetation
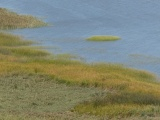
pixel 11 20
pixel 103 38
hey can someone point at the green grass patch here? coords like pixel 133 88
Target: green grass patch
pixel 103 38
pixel 45 116
pixel 123 104
pixel 12 40
pixel 11 20
pixel 36 96
pixel 121 111
pixel 15 46
pixel 28 52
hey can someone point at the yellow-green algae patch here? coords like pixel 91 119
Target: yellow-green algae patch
pixel 103 38
pixel 12 20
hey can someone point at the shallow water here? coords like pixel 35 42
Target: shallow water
pixel 136 22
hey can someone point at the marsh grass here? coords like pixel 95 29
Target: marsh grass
pixel 103 38
pixel 12 40
pixel 28 52
pixel 37 96
pixel 124 104
pixel 122 111
pixel 16 46
pixel 127 89
pixel 46 116
pixel 11 20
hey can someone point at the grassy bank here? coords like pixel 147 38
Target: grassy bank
pixel 30 85
pixel 123 90
pixel 37 96
pixel 103 38
pixel 11 20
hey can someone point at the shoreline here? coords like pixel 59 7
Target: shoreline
pixel 135 39
pixel 118 83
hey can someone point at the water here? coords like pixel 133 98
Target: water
pixel 136 22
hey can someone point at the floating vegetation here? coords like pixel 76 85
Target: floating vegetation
pixel 103 38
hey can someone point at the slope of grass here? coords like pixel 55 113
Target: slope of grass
pixel 128 92
pixel 37 96
pixel 103 38
pixel 122 104
pixel 11 20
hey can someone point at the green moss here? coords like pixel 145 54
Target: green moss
pixel 103 38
